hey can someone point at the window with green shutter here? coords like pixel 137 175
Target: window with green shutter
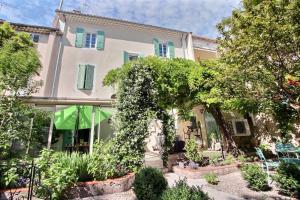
pixel 85 77
pixel 156 46
pixel 171 49
pixel 100 40
pixel 79 37
pixel 89 77
pixel 131 56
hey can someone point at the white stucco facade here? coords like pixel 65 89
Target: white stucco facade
pixel 120 36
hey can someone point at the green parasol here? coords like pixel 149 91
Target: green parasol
pixel 67 119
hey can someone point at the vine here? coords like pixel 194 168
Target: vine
pixel 137 105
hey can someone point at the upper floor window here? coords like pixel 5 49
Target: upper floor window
pixel 162 49
pixel 133 56
pixel 35 38
pixel 90 40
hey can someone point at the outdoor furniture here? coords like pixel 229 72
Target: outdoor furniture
pixel 288 152
pixel 267 164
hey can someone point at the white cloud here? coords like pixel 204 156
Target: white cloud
pixel 197 16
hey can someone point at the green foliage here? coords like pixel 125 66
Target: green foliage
pixel 112 77
pixel 13 173
pixel 19 61
pixel 287 178
pixel 193 151
pixel 103 163
pixel 255 176
pixel 242 158
pixel 168 132
pixel 149 184
pixel 211 178
pixel 229 159
pixel 137 105
pixel 58 173
pixel 259 45
pixel 135 109
pixel 182 191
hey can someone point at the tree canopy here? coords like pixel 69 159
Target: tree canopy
pixel 181 84
pixel 260 47
pixel 19 62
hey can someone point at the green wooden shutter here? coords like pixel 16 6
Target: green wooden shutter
pixel 79 37
pixel 100 40
pixel 156 46
pixel 89 77
pixel 171 49
pixel 126 57
pixel 81 77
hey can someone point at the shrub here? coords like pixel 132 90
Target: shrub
pixel 103 163
pixel 193 151
pixel 229 159
pixel 255 176
pixel 287 178
pixel 211 178
pixel 242 158
pixel 182 191
pixel 57 174
pixel 149 184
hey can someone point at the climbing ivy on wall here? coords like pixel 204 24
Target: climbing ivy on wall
pixel 137 105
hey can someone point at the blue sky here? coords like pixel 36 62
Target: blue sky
pixel 197 16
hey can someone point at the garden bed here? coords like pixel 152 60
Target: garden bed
pixel 96 188
pixel 201 171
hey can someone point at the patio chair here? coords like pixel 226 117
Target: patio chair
pixel 284 151
pixel 266 164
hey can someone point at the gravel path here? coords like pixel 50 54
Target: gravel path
pixel 129 195
pixel 234 183
pixel 231 187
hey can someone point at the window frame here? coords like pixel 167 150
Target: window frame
pixel 132 54
pixel 33 35
pixel 161 48
pixel 89 46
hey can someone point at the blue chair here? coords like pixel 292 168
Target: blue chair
pixel 266 164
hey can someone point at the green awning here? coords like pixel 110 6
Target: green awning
pixel 67 119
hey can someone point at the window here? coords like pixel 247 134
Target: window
pixel 132 56
pixel 162 49
pixel 90 40
pixel 85 77
pixel 241 127
pixel 35 38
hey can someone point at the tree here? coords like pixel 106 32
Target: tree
pixel 178 83
pixel 260 46
pixel 18 63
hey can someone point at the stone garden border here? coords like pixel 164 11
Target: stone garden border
pixel 87 189
pixel 96 188
pixel 201 171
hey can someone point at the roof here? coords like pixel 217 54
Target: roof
pixel 125 22
pixel 31 28
pixel 205 38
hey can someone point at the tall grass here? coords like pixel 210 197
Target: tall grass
pixel 77 161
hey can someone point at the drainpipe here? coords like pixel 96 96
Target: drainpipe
pixel 54 84
pixel 58 58
pixel 183 45
pixel 186 42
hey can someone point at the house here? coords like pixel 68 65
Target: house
pixel 78 51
